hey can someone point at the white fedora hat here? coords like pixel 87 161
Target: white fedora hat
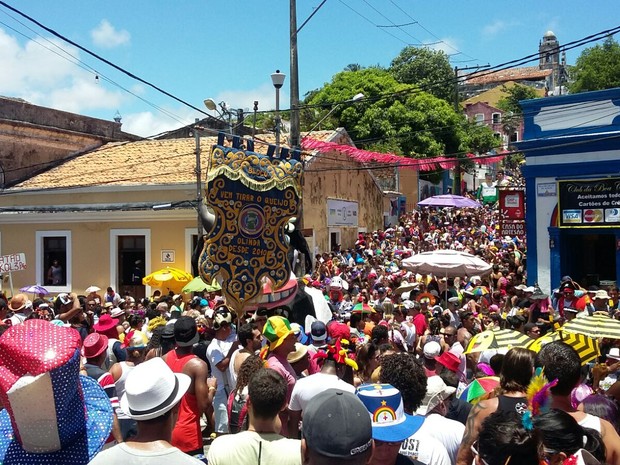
pixel 152 389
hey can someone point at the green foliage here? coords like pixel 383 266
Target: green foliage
pixel 428 69
pixel 510 103
pixel 597 68
pixel 396 117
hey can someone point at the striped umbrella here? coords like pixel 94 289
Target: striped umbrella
pixel 586 347
pixel 500 339
pixel 481 290
pixel 363 308
pixel 594 326
pixel 479 389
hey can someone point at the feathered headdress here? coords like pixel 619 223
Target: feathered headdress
pixel 538 397
pixel 337 353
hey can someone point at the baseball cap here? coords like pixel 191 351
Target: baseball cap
pixel 336 424
pixel 318 331
pixel 432 349
pixel 300 334
pixel 64 298
pixel 185 331
pixel 389 421
pixel 436 392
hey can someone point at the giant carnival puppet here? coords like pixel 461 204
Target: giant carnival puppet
pixel 251 245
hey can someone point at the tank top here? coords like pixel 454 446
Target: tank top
pixel 186 434
pixel 120 387
pixel 592 422
pixel 511 404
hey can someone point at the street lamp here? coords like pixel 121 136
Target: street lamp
pixel 355 98
pixel 223 111
pixel 277 79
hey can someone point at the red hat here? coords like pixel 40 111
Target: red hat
pixel 449 360
pixel 94 344
pixel 337 330
pixel 105 323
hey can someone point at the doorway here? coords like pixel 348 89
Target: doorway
pixel 129 261
pixel 589 258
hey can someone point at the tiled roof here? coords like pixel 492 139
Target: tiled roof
pixel 146 162
pixel 528 73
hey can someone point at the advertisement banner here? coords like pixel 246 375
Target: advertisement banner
pixel 342 213
pixel 589 203
pixel 512 204
pixel 253 197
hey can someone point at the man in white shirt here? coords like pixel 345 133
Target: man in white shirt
pixel 448 432
pixel 261 443
pixel 219 353
pixel 309 387
pixel 404 373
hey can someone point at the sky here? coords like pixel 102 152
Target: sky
pixel 226 50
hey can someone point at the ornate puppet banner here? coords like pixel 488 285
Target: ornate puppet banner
pixel 253 197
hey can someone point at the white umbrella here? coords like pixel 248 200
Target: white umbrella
pixel 449 263
pixel 92 289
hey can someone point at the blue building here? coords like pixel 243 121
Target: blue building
pixel 572 172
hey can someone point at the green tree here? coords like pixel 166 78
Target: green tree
pixel 392 114
pixel 597 68
pixel 393 117
pixel 426 68
pixel 515 93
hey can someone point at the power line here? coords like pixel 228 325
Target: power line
pixel 109 63
pixel 376 25
pixel 65 55
pixel 415 21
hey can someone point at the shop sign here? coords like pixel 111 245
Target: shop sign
pixel 512 204
pixel 590 203
pixel 512 228
pixel 342 213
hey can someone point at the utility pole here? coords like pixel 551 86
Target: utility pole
pixel 456 187
pixel 198 176
pixel 295 129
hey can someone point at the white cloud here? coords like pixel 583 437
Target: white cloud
pixel 43 73
pixel 150 123
pixel 446 45
pixel 107 36
pixel 265 94
pixel 496 27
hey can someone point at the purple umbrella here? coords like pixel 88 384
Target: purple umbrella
pixel 449 200
pixel 34 289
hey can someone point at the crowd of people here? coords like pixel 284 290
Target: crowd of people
pixel 386 379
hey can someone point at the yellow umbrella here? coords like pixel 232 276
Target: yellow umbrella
pixel 594 326
pixel 586 347
pixel 499 339
pixel 171 278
